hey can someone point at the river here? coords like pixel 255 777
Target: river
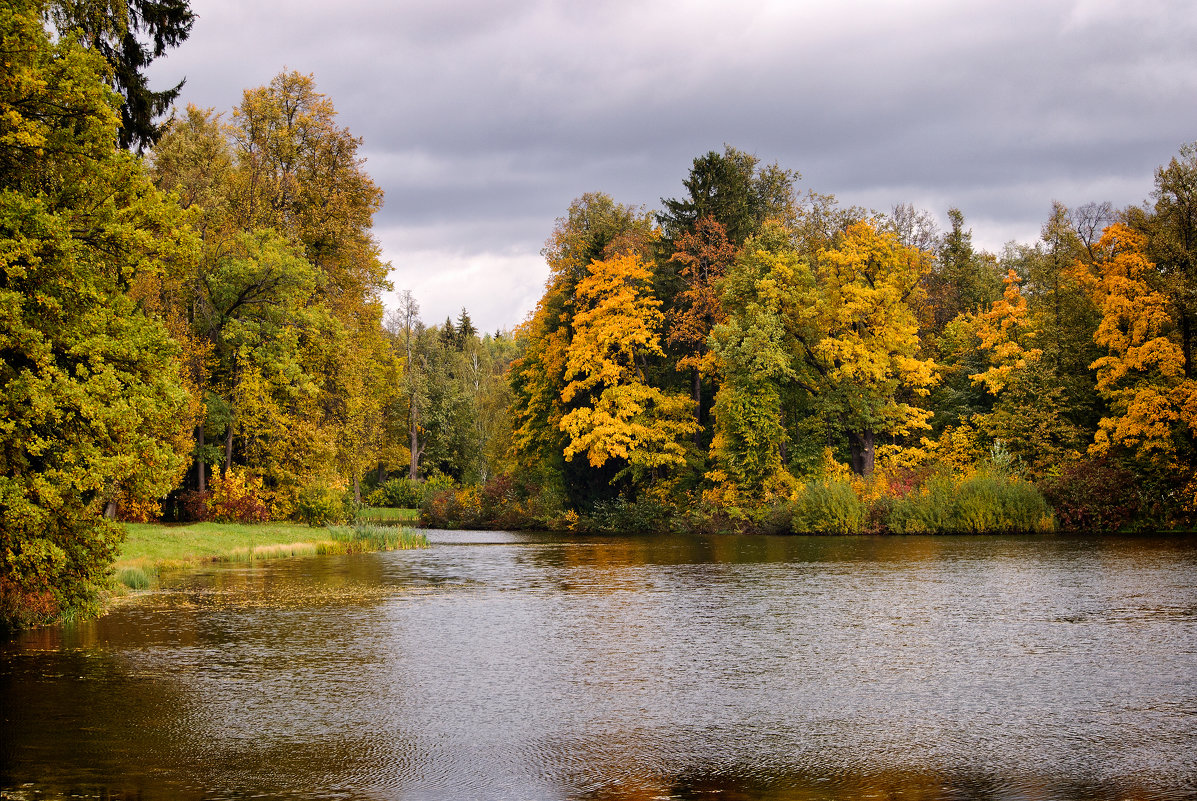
pixel 519 666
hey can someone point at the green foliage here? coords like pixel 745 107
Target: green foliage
pixel 133 577
pixel 118 31
pixel 501 503
pixel 322 505
pixel 646 515
pixel 398 493
pixel 828 507
pixel 368 538
pixel 983 503
pixel 93 408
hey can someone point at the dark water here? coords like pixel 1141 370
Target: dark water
pixel 498 666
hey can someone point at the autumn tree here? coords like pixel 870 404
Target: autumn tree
pixel 615 414
pixel 94 409
pixel 1172 245
pixel 283 176
pixel 594 228
pixel 1028 418
pixel 130 36
pixel 704 255
pixel 960 278
pixel 1152 401
pixel 867 358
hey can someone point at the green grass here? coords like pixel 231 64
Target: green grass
pixel 381 514
pixel 152 547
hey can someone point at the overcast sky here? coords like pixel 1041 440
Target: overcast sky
pixel 483 119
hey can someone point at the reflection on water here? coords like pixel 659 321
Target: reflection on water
pixel 498 665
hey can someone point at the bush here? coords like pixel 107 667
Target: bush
pixel 828 507
pixel 321 505
pixel 642 516
pixel 236 497
pixel 1093 495
pixel 398 493
pixel 983 503
pixel 926 509
pixel 193 506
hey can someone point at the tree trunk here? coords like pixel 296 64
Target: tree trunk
pixel 357 491
pixel 414 471
pixel 862 452
pixel 200 468
pixel 696 393
pixel 110 510
pixel 228 451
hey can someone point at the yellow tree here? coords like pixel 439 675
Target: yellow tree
pixel 1003 331
pixel 1152 404
pixel 594 228
pixel 867 354
pixel 620 417
pixel 1028 416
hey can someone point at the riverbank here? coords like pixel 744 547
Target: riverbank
pixel 150 548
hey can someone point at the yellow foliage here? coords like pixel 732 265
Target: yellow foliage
pixel 1142 376
pixel 1000 330
pixel 960 447
pixel 622 417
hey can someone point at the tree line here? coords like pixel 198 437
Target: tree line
pixel 746 340
pixel 192 326
pixel 192 321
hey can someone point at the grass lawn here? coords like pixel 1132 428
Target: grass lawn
pixel 151 547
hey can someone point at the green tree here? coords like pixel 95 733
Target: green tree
pixel 754 351
pixel 93 405
pixel 131 36
pixel 733 189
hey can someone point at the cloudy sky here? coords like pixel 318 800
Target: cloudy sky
pixel 483 119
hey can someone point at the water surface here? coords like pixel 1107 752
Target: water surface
pixel 496 665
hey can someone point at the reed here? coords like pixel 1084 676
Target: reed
pixel 133 577
pixel 983 503
pixel 828 507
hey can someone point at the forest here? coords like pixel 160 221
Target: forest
pixel 192 327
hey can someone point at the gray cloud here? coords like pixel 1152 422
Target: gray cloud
pixel 482 119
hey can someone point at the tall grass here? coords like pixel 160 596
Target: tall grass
pixel 983 503
pixel 828 507
pixel 150 548
pixel 382 515
pixel 365 538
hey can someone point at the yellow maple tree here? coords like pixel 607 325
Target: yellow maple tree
pixel 1142 377
pixel 1004 331
pixel 618 415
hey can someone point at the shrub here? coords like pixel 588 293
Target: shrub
pixel 1093 495
pixel 983 503
pixel 236 497
pixel 926 509
pixel 644 515
pixel 398 493
pixel 828 507
pixel 193 505
pixel 321 505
